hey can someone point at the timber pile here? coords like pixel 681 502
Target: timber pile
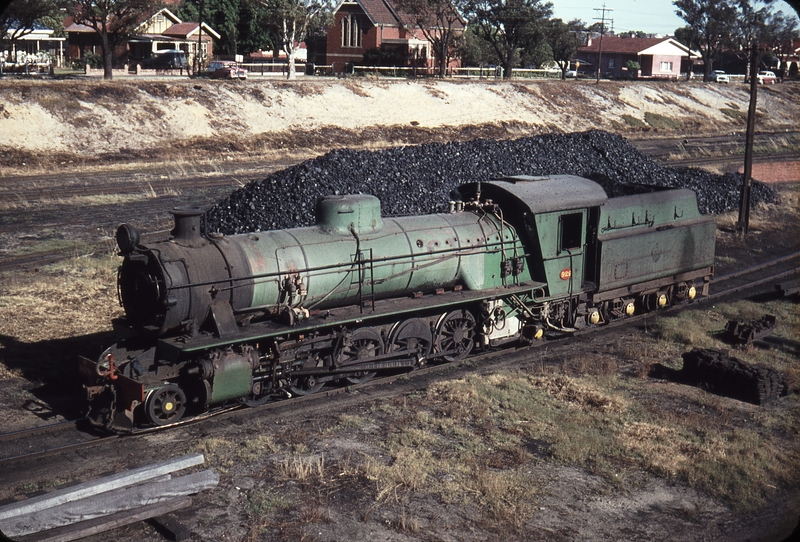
pixel 714 371
pixel 105 504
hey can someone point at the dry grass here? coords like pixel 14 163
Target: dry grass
pixel 74 298
pixel 301 468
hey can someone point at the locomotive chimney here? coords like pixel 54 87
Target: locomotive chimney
pixel 187 225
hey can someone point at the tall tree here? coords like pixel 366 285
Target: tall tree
pixel 476 51
pixel 710 23
pixel 440 23
pixel 20 18
pixel 784 32
pixel 752 30
pixel 510 26
pixel 294 19
pixel 112 20
pixel 564 39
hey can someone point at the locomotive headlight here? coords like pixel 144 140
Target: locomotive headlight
pixel 127 238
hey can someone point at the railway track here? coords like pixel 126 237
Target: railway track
pixel 18 447
pixel 714 149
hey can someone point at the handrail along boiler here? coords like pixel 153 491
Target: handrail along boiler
pixel 216 319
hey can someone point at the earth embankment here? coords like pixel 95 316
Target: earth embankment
pixel 62 122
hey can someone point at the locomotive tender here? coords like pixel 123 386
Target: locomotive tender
pixel 245 318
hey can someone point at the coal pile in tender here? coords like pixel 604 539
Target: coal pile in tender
pixel 419 179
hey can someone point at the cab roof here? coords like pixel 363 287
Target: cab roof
pixel 540 194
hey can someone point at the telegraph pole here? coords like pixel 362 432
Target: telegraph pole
pixel 602 20
pixel 744 204
pixel 198 60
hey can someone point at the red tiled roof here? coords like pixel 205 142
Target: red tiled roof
pixel 181 29
pixel 380 12
pixel 617 44
pixel 75 27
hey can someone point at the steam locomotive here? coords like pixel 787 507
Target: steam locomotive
pixel 213 319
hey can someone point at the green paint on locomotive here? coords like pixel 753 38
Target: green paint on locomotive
pixel 353 254
pixel 643 237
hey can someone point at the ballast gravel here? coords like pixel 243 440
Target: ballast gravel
pixel 421 179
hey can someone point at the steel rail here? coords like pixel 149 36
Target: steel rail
pixel 494 356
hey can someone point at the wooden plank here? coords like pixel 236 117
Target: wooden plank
pixel 106 523
pixel 95 487
pixel 110 502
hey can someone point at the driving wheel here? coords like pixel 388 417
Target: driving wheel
pixel 365 343
pixel 456 335
pixel 414 337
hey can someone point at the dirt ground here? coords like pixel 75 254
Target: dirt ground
pixel 428 460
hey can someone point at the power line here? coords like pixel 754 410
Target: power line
pixel 602 20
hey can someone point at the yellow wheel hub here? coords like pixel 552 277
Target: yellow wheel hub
pixel 662 300
pixel 691 293
pixel 168 406
pixel 629 308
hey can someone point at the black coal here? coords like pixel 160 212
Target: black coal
pixel 419 179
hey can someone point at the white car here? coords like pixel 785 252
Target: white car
pixel 766 78
pixel 719 76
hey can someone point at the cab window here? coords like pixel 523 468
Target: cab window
pixel 570 231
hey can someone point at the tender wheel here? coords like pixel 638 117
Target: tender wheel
pixel 166 405
pixel 456 335
pixel 365 343
pixel 413 336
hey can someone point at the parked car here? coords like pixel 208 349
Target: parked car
pixel 226 69
pixel 719 76
pixel 766 78
pixel 165 60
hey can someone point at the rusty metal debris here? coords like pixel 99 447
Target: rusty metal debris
pixel 743 334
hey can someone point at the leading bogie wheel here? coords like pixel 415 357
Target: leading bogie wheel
pixel 165 405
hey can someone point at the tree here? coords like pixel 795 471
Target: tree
pixel 709 22
pixel 112 20
pixel 476 51
pixel 239 23
pixel 294 20
pixel 439 22
pixel 752 31
pixel 510 26
pixel 784 32
pixel 564 39
pixel 20 18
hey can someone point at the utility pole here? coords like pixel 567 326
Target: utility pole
pixel 198 60
pixel 602 20
pixel 744 204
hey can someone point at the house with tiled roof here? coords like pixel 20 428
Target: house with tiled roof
pixel 162 30
pixel 379 30
pixel 658 58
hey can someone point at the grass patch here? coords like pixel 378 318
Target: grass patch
pixel 61 105
pixel 633 122
pixel 475 440
pixel 223 454
pixel 735 114
pixel 661 122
